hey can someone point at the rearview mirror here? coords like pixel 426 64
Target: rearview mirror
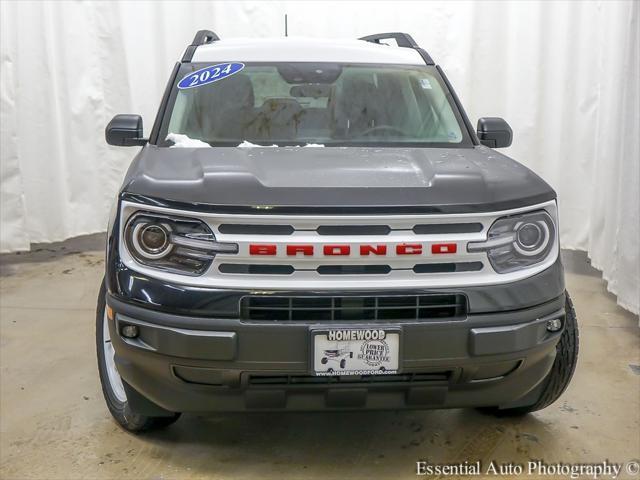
pixel 494 132
pixel 310 90
pixel 125 131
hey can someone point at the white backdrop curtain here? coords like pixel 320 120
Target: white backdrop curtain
pixel 564 74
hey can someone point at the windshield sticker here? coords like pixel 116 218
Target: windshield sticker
pixel 210 74
pixel 425 83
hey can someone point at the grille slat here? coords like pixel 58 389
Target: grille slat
pixel 448 267
pixel 453 305
pixel 446 228
pixel 249 229
pixel 255 269
pixel 353 269
pixel 427 377
pixel 353 230
pixel 353 308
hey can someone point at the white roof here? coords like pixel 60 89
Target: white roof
pixel 298 49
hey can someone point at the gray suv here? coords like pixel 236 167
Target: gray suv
pixel 316 225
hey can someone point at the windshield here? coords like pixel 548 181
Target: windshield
pixel 312 103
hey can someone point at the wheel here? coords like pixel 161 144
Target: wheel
pixel 112 386
pixel 324 360
pixel 562 370
pixel 343 363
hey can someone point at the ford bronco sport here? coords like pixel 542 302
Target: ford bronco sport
pixel 315 225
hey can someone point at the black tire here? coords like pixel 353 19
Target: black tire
pixel 121 411
pixel 562 369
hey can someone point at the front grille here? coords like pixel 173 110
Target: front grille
pixel 401 250
pixel 353 308
pixel 368 379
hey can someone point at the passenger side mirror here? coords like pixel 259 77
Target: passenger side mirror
pixel 125 131
pixel 494 132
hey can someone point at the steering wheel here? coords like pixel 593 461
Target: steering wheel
pixel 383 128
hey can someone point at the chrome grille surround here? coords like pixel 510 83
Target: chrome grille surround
pixel 305 275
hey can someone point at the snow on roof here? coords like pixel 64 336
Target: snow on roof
pixel 299 49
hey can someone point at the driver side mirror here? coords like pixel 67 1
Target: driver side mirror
pixel 125 131
pixel 494 132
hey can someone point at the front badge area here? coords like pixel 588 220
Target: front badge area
pixel 356 351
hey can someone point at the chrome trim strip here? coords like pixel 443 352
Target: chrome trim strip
pixel 211 246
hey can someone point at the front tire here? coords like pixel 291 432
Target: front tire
pixel 562 369
pixel 112 386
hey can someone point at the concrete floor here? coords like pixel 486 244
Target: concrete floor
pixel 54 423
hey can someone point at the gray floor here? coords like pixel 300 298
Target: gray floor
pixel 54 423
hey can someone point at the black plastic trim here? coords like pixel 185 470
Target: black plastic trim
pixel 448 267
pixel 188 54
pixel 375 210
pixel 425 56
pixel 153 138
pixel 231 323
pixel 403 40
pixel 463 114
pixel 203 37
pixel 353 230
pixel 353 269
pixel 255 269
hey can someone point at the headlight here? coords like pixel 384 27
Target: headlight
pixel 518 241
pixel 182 245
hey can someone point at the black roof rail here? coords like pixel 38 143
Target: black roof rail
pixel 402 39
pixel 203 37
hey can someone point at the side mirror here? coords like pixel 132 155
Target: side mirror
pixel 494 132
pixel 125 131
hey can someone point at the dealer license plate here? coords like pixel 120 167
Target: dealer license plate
pixel 356 351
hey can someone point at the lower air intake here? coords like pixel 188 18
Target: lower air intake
pixel 353 308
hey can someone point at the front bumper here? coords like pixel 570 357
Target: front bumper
pixel 201 364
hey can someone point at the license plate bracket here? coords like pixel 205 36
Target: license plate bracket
pixel 355 350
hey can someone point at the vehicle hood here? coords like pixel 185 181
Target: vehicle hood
pixel 431 179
